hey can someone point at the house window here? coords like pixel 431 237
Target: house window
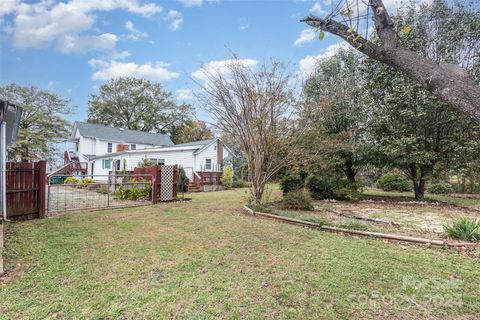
pixel 106 164
pixel 109 147
pixel 159 161
pixel 117 163
pixel 133 147
pixel 208 164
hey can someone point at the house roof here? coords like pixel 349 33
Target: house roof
pixel 196 147
pixel 196 143
pixel 121 135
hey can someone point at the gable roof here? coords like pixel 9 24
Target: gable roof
pixel 120 135
pixel 197 143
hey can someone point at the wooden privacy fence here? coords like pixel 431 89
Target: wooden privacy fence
pixel 165 181
pixel 26 185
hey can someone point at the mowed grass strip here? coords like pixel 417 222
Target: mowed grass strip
pixel 207 260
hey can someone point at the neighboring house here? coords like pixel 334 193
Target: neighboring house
pixel 98 150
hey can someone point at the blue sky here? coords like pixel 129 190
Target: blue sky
pixel 72 47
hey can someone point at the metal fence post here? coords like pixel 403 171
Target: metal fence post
pixel 48 195
pixel 108 191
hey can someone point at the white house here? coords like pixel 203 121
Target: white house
pixel 106 149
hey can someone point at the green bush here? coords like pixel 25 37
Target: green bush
pixel 134 191
pixel 71 180
pixel 297 200
pixel 292 182
pixel 182 182
pixel 227 177
pixel 320 188
pixel 145 163
pixel 347 190
pixel 440 188
pixel 463 228
pixel 393 181
pixel 84 182
pixel 240 184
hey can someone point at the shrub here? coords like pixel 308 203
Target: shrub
pixel 145 163
pixel 87 180
pixel 71 180
pixel 182 182
pixel 463 228
pixel 393 182
pixel 347 190
pixel 320 188
pixel 84 182
pixel 440 188
pixel 227 177
pixel 297 200
pixel 292 182
pixel 240 184
pixel 134 191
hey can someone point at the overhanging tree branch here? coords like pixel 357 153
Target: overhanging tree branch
pixel 448 82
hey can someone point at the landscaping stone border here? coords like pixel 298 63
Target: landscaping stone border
pixel 378 235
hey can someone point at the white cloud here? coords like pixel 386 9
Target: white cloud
pixel 175 19
pixel 317 8
pixel 8 6
pixel 307 64
pixel 64 24
pixel 191 3
pixel 306 36
pixel 119 55
pixel 220 67
pixel 184 94
pixel 112 69
pixel 76 44
pixel 134 33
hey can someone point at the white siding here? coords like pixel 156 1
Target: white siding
pixel 184 158
pixel 208 153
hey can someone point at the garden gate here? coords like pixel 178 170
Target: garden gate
pixel 142 186
pixel 25 189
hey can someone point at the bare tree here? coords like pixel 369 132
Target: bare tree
pixel 253 107
pixel 448 81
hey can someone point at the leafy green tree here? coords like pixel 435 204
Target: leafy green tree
pixel 191 130
pixel 136 104
pixel 227 177
pixel 410 128
pixel 42 125
pixel 334 114
pixel 414 131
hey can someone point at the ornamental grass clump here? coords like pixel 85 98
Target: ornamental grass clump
pixel 463 228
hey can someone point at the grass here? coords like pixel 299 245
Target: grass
pixel 353 225
pixel 207 260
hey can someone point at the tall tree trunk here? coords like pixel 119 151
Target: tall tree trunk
pixel 350 173
pixel 449 82
pixel 418 176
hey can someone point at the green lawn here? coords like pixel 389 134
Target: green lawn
pixel 206 260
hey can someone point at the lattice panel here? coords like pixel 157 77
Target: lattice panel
pixel 166 183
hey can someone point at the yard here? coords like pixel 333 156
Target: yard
pixel 206 259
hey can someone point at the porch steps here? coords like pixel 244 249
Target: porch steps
pixel 194 188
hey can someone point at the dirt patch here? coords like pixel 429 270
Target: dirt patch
pixel 414 218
